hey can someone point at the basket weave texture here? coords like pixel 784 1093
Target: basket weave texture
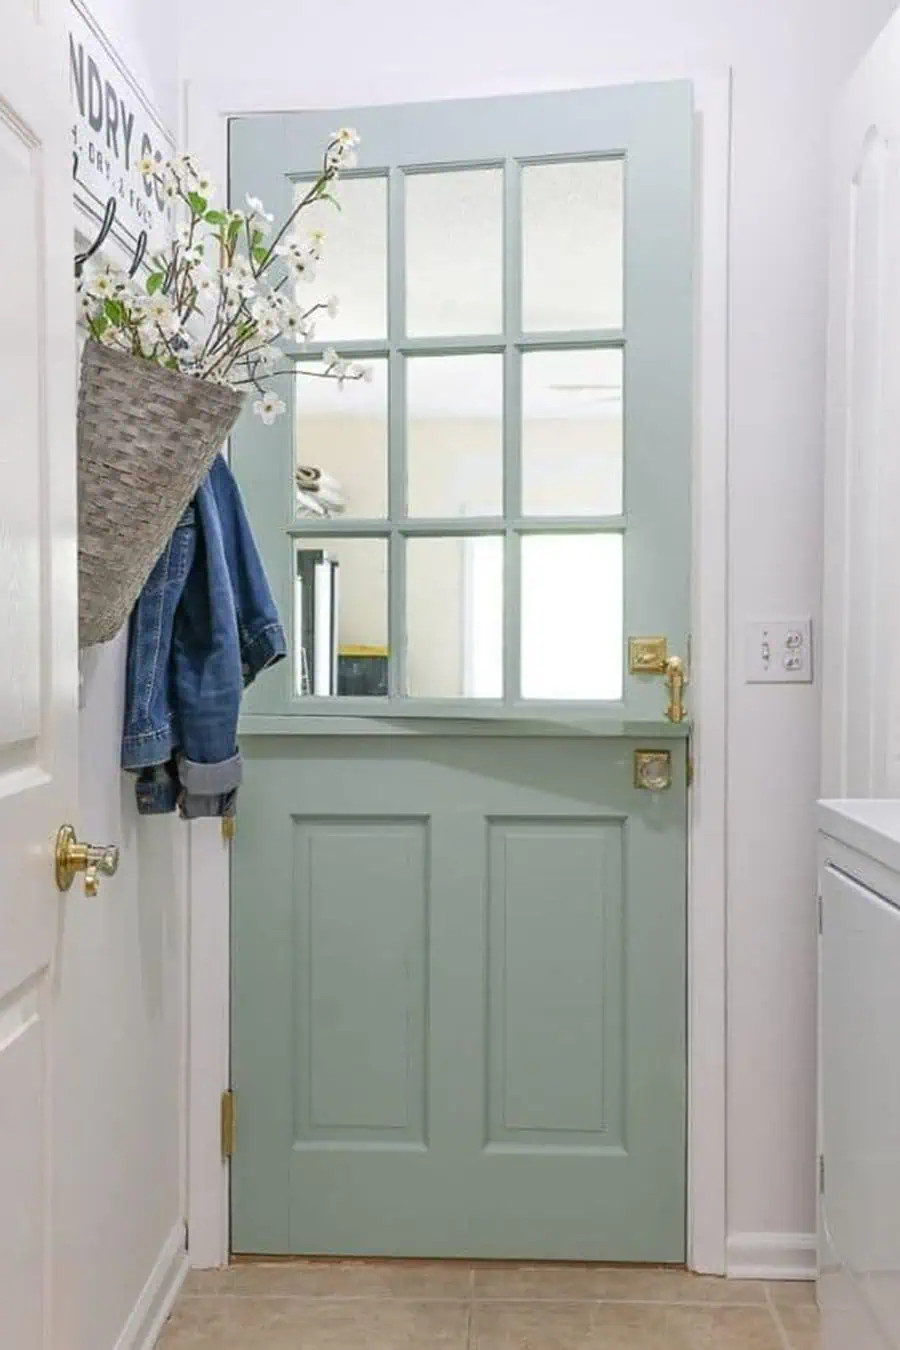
pixel 146 439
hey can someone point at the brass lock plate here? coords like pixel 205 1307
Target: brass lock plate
pixel 653 770
pixel 647 655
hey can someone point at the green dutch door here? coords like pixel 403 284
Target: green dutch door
pixel 458 905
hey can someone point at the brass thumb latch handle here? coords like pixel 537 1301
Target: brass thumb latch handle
pixel 675 682
pixel 95 861
pixel 649 656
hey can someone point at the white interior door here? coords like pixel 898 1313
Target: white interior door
pixel 861 633
pixel 38 623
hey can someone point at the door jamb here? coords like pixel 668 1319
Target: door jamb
pixel 205 113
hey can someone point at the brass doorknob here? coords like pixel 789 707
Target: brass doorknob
pixel 94 860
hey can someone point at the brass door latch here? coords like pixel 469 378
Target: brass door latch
pixel 676 681
pixel 650 656
pixel 94 860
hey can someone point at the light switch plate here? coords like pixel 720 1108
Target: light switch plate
pixel 779 651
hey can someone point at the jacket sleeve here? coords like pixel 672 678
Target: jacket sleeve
pixel 150 731
pixel 260 632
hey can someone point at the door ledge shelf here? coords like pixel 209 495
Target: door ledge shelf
pixel 511 723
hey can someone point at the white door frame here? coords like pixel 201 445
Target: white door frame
pixel 207 107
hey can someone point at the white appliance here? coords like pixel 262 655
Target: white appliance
pixel 316 610
pixel 859 1075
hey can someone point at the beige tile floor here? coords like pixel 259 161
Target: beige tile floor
pixel 450 1306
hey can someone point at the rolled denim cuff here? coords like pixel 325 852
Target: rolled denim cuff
pixel 156 792
pixel 209 780
pixel 208 789
pixel 199 806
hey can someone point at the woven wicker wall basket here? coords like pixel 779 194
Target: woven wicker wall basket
pixel 146 440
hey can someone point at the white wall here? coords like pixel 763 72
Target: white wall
pixel 788 58
pixel 120 1029
pixel 145 35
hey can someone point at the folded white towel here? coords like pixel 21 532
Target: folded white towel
pixel 308 505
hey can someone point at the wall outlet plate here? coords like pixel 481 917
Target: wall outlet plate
pixel 779 651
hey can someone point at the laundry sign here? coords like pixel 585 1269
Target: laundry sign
pixel 114 126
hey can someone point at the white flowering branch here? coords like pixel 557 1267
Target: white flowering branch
pixel 207 309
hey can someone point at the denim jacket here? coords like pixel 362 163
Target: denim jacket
pixel 203 628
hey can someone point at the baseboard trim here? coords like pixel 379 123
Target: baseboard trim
pixel 771 1256
pixel 141 1331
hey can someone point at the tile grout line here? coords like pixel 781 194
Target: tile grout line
pixel 776 1318
pixel 487 1300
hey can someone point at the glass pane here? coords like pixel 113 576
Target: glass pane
pixel 572 234
pixel 572 433
pixel 341 617
pixel 341 439
pixel 454 435
pixel 454 618
pixel 454 252
pixel 572 631
pixel 353 266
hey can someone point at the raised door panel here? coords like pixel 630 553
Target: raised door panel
pixel 360 943
pixel 554 984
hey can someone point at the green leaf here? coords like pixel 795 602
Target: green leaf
pixel 234 230
pixel 260 254
pixel 114 311
pixel 170 363
pixel 215 217
pixel 154 281
pixel 197 203
pixel 327 197
pixel 256 238
pixel 98 326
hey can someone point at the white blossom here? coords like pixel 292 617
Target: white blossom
pixel 342 153
pixel 302 268
pixel 147 166
pixel 332 305
pixel 239 278
pixel 300 255
pixel 258 217
pixel 204 280
pixel 293 323
pixel 269 407
pixel 264 307
pixel 100 284
pixel 267 358
pixel 160 312
pixel 268 327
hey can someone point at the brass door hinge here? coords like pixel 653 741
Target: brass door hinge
pixel 228 1124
